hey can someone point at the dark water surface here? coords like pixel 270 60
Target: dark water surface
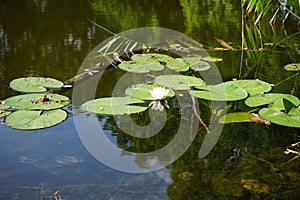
pixel 51 38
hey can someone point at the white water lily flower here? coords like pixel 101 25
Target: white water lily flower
pixel 159 92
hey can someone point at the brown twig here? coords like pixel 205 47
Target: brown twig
pixel 198 116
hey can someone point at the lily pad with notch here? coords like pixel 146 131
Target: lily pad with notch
pixel 253 87
pixel 220 92
pixel 114 105
pixel 276 99
pixel 35 84
pixel 178 82
pixel 285 104
pixel 37 101
pixel 291 119
pixel 35 119
pixel 142 91
pixel 141 63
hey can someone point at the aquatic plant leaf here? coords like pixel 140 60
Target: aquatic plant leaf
pixel 292 67
pixel 37 101
pixel 291 119
pixel 159 57
pixel 197 64
pixel 141 64
pixel 220 92
pixel 271 98
pixel 236 117
pixel 211 59
pixel 34 84
pixel 114 105
pixel 253 87
pixel 178 64
pixel 35 119
pixel 280 105
pixel 142 91
pixel 178 82
pixel 287 105
pixel 4 112
pixel 3 106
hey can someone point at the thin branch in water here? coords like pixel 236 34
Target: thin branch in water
pixel 198 116
pixel 288 78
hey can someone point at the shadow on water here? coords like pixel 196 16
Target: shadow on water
pixel 51 39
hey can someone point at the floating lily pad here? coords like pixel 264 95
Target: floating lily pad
pixel 292 67
pixel 183 64
pixel 236 117
pixel 291 119
pixel 271 98
pixel 34 84
pixel 141 64
pixel 178 82
pixel 197 64
pixel 142 91
pixel 159 57
pixel 4 112
pixel 31 119
pixel 211 59
pixel 114 106
pixel 37 101
pixel 253 87
pixel 3 106
pixel 178 64
pixel 220 92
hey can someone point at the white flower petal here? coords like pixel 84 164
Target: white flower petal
pixel 159 93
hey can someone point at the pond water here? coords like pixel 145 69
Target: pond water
pixel 52 38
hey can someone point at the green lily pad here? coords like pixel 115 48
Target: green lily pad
pixel 197 64
pixel 236 117
pixel 271 98
pixel 220 92
pixel 183 64
pixel 287 105
pixel 142 91
pixel 281 103
pixel 292 67
pixel 3 106
pixel 114 106
pixel 291 119
pixel 159 57
pixel 211 59
pixel 4 112
pixel 178 64
pixel 141 64
pixel 37 101
pixel 32 119
pixel 34 84
pixel 253 87
pixel 178 82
